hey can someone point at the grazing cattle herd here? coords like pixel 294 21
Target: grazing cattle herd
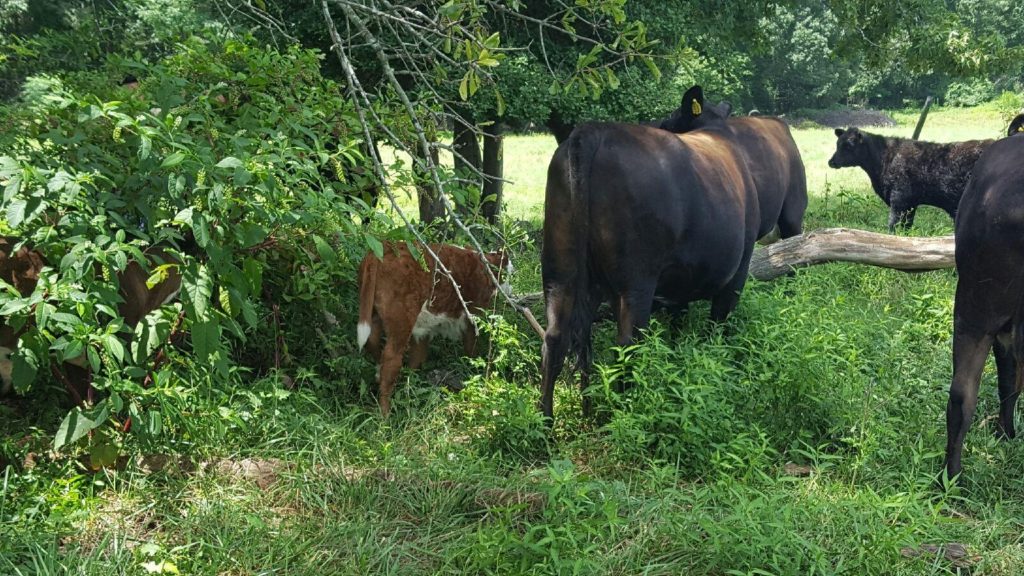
pixel 668 212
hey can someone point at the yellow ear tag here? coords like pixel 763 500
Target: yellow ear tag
pixel 1020 128
pixel 695 108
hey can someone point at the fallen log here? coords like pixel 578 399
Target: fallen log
pixel 848 245
pixel 825 245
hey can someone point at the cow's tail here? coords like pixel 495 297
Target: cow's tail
pixel 367 289
pixel 583 146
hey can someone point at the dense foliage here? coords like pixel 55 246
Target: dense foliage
pixel 226 153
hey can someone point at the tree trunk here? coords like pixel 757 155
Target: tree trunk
pixel 431 207
pixel 466 150
pixel 493 171
pixel 846 245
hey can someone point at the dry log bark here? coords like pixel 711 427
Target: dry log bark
pixel 847 245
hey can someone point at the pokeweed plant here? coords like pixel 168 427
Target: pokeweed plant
pixel 223 150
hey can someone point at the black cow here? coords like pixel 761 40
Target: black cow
pixel 771 154
pixel 632 213
pixel 989 309
pixel 907 173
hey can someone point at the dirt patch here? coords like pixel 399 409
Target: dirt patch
pixel 263 472
pixel 843 118
pixel 127 519
pixel 953 552
pixel 797 470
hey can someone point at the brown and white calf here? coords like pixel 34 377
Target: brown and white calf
pixel 21 269
pixel 400 300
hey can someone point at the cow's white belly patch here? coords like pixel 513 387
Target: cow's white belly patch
pixel 430 324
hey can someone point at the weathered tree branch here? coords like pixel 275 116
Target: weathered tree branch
pixel 848 245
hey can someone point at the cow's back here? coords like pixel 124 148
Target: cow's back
pixel 626 204
pixel 775 165
pixel 682 204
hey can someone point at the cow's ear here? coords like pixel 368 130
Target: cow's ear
pixel 693 101
pixel 839 132
pixel 1016 125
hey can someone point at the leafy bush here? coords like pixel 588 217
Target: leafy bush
pixel 226 152
pixel 969 93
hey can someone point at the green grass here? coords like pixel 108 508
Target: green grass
pixel 841 370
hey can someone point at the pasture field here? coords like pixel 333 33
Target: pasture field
pixel 803 437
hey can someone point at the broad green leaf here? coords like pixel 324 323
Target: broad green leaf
pixel 249 313
pixel 59 181
pixel 145 147
pixel 149 333
pixel 154 423
pixel 22 211
pixel 9 167
pixel 324 249
pixel 250 234
pixel 24 367
pixel 94 358
pixel 200 229
pixel 501 103
pixel 205 338
pixel 114 347
pixel 78 423
pixel 184 216
pixel 173 160
pixel 199 289
pixel 72 350
pixel 230 162
pixel 12 187
pixel 374 244
pixel 253 271
pixel 14 306
pixel 103 455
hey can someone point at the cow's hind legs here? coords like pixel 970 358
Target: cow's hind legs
pixel 1009 388
pixel 418 351
pixel 723 303
pixel 634 314
pixel 373 347
pixel 791 220
pixel 969 353
pixel 556 344
pixel 390 365
pixel 585 358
